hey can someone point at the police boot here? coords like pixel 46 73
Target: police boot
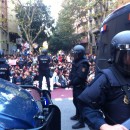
pixel 78 125
pixel 75 117
pixel 49 89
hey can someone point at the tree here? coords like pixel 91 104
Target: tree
pixel 64 35
pixel 34 21
pixel 76 14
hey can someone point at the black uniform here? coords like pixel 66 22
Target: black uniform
pixel 44 70
pixel 107 99
pixel 78 77
pixel 105 96
pixel 4 69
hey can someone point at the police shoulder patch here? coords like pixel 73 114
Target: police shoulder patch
pixel 126 101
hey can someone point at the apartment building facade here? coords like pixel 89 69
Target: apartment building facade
pixel 3 25
pixel 8 27
pixel 96 13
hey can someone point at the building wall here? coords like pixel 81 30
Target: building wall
pixel 3 25
pixel 8 25
pixel 12 21
pixel 94 25
pixel 96 14
pixel 12 25
pixel 4 14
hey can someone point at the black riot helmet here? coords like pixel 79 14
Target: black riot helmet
pixel 78 52
pixel 1 53
pixel 44 51
pixel 120 52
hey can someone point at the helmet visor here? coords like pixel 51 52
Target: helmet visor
pixel 123 58
pixel 74 54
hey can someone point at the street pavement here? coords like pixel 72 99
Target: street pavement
pixel 63 99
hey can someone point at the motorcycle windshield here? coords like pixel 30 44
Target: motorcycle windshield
pixel 17 107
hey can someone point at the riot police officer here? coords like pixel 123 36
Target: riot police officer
pixel 78 76
pixel 44 70
pixel 106 101
pixel 4 67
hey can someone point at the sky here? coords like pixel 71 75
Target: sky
pixel 55 6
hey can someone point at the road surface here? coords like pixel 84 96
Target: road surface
pixel 63 99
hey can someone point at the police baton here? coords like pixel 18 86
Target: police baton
pixel 127 124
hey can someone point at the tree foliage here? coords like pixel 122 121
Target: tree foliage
pixel 34 21
pixel 77 13
pixel 64 36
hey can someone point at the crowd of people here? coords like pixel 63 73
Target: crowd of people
pixel 64 71
pixel 24 69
